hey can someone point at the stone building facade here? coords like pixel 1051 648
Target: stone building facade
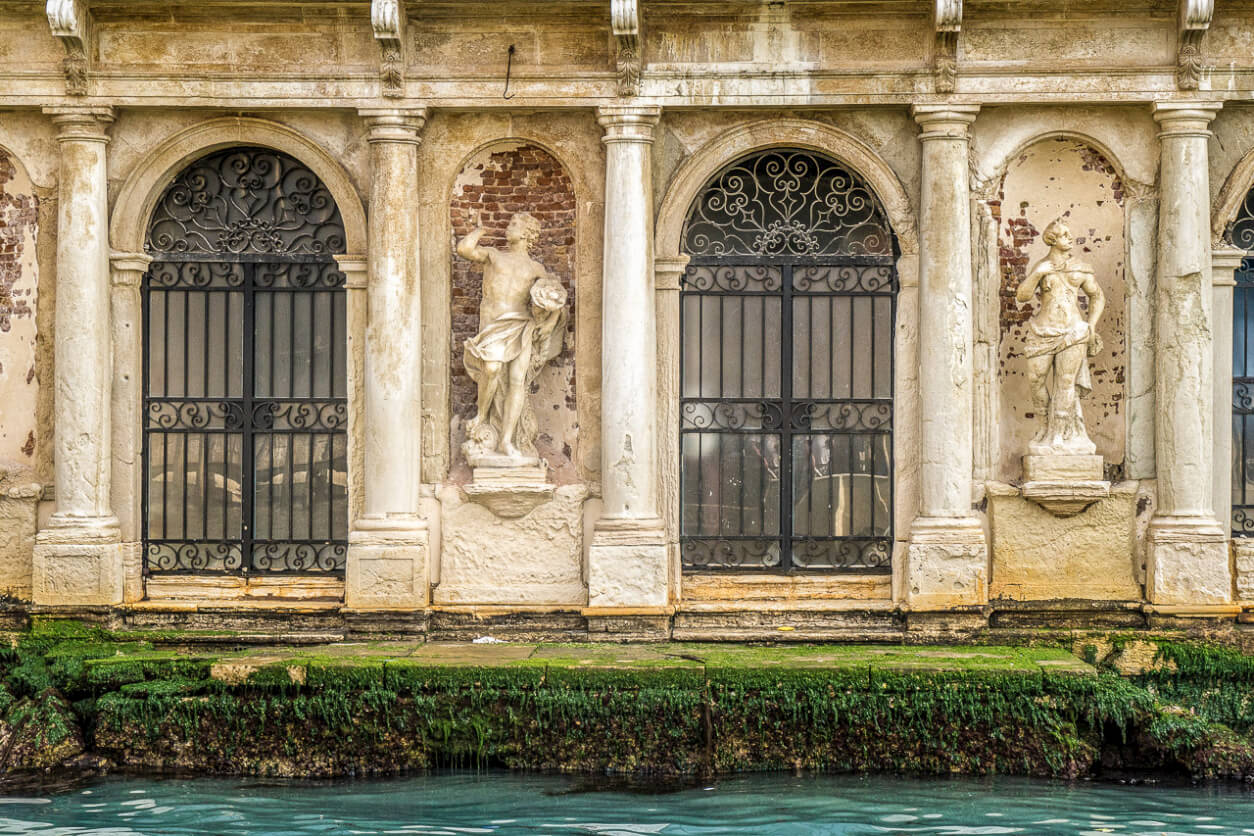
pixel 790 391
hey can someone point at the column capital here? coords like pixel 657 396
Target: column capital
pixel 944 121
pixel 81 123
pixel 628 123
pixel 394 124
pixel 1185 118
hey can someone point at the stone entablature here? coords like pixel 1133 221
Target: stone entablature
pixel 950 117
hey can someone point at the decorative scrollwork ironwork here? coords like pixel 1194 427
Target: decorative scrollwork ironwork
pixel 717 553
pixel 843 416
pixel 733 278
pixel 873 554
pixel 246 200
pixel 304 416
pixel 749 416
pixel 299 557
pixel 1242 521
pixel 1243 396
pixel 278 275
pixel 194 557
pixel 194 275
pixel 787 202
pixel 195 415
pixel 1241 230
pixel 845 278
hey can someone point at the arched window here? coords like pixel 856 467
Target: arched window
pixel 245 450
pixel 786 372
pixel 1241 234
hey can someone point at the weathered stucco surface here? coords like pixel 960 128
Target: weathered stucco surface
pixel 1038 556
pixel 1061 123
pixel 532 560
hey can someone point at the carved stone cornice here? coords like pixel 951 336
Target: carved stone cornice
pixel 625 24
pixel 947 25
pixel 69 22
pixel 387 18
pixel 1195 18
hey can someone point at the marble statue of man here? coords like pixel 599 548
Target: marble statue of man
pixel 1059 341
pixel 522 319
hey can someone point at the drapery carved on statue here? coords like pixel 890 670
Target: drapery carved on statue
pixel 522 318
pixel 246 200
pixel 1061 337
pixel 787 202
pixel 495 184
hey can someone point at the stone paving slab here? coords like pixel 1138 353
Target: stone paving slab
pixel 678 656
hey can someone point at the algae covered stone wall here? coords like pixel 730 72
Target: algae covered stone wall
pixel 76 696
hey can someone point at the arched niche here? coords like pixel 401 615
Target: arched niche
pixel 495 183
pixel 1068 178
pixel 19 294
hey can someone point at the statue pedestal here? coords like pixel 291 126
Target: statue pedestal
pixel 1064 484
pixel 509 487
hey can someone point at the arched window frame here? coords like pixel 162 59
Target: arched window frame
pixel 792 226
pixel 236 227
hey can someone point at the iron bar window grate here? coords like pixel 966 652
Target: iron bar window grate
pixel 788 309
pixel 245 407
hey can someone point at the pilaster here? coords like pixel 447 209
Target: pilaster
pixel 78 557
pixel 627 563
pixel 127 415
pixel 947 557
pixel 388 548
pixel 1188 560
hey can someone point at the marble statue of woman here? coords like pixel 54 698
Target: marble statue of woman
pixel 522 319
pixel 1059 341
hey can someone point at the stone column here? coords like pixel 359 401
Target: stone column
pixel 388 544
pixel 627 565
pixel 127 413
pixel 947 559
pixel 78 556
pixel 1187 563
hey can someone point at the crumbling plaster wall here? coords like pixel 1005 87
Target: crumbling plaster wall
pixel 499 182
pixel 1126 138
pixel 450 141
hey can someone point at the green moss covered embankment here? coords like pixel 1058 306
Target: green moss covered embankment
pixel 76 696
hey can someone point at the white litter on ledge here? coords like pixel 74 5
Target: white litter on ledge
pixel 488 640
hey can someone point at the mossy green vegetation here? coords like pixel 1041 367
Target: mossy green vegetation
pixel 375 708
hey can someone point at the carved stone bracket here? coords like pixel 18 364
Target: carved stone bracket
pixel 625 23
pixel 1195 18
pixel 948 25
pixel 69 22
pixel 387 17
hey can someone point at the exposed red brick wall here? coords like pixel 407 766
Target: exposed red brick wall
pixel 18 213
pixel 519 178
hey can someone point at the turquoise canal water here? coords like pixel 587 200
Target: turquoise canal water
pixel 503 803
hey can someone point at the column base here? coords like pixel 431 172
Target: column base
pixel 946 564
pixel 387 565
pixel 628 565
pixel 1187 562
pixel 78 561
